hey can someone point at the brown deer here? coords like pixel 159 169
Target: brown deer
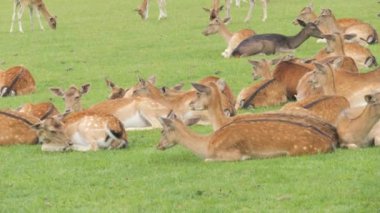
pixel 40 110
pixel 71 97
pixel 216 8
pixel 20 5
pixel 355 124
pixel 116 91
pixel 16 128
pixel 143 10
pixel 250 138
pixel 329 24
pixel 16 81
pixel 275 43
pixel 82 131
pixel 217 25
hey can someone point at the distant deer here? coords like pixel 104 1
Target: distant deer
pixel 232 39
pixel 20 5
pixel 143 10
pixel 275 43
pixel 216 8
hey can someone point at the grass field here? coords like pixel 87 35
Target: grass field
pixel 96 39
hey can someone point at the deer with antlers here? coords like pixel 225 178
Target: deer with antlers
pixel 19 7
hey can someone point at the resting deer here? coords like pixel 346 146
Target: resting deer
pixel 143 10
pixel 216 8
pixel 41 110
pixel 275 43
pixel 71 97
pixel 20 5
pixel 329 24
pixel 16 128
pixel 16 81
pixel 247 139
pixel 232 39
pixel 355 124
pixel 82 131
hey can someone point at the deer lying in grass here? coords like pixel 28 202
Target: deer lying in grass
pixel 275 43
pixel 143 10
pixel 247 139
pixel 328 24
pixel 41 110
pixel 325 107
pixel 71 97
pixel 216 25
pixel 15 128
pixel 355 124
pixel 216 8
pixel 336 47
pixel 20 5
pixel 16 81
pixel 82 131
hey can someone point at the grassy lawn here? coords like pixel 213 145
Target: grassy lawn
pixel 107 39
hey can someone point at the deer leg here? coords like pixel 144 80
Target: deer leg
pixel 31 17
pixel 228 10
pixel 146 13
pixel 162 6
pixel 19 16
pixel 39 18
pixel 237 2
pixel 265 9
pixel 249 14
pixel 13 15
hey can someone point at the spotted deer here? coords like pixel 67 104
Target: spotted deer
pixel 41 111
pixel 72 97
pixel 16 81
pixel 143 9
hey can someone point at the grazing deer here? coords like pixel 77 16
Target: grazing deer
pixel 16 81
pixel 329 24
pixel 325 107
pixel 71 97
pixel 82 131
pixel 355 124
pixel 216 8
pixel 16 128
pixel 20 5
pixel 41 111
pixel 143 10
pixel 216 25
pixel 250 138
pixel 275 43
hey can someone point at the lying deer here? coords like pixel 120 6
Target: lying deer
pixel 41 110
pixel 247 139
pixel 143 10
pixel 355 124
pixel 71 97
pixel 275 43
pixel 232 39
pixel 16 128
pixel 20 5
pixel 82 131
pixel 216 8
pixel 16 81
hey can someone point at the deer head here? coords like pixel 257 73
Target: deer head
pixel 260 69
pixel 71 97
pixel 214 26
pixel 306 15
pixel 169 133
pixel 116 91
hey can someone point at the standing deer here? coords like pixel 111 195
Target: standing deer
pixel 20 5
pixel 143 10
pixel 232 39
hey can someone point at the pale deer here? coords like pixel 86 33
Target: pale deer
pixel 16 81
pixel 82 131
pixel 329 24
pixel 20 5
pixel 40 110
pixel 354 125
pixel 232 39
pixel 143 9
pixel 275 43
pixel 216 8
pixel 16 128
pixel 250 138
pixel 72 97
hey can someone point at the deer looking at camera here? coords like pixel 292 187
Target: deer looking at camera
pixel 19 7
pixel 143 10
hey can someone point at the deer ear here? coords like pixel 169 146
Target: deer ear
pixel 178 87
pixel 201 88
pixel 166 122
pixel 370 99
pixel 226 20
pixel 171 115
pixel 110 84
pixel 221 83
pixel 302 23
pixel 320 67
pixel 57 91
pixel 152 79
pixel 253 62
pixel 85 88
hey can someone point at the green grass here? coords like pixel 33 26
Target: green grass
pixel 107 39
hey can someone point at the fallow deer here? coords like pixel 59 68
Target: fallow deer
pixel 71 97
pixel 16 81
pixel 217 25
pixel 116 91
pixel 250 138
pixel 143 10
pixel 40 110
pixel 82 131
pixel 275 43
pixel 16 128
pixel 328 24
pixel 20 5
pixel 355 124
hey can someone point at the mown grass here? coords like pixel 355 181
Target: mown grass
pixel 98 39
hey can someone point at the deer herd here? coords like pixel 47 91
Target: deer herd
pixel 327 102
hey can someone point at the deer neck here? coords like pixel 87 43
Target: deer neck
pixel 225 33
pixel 197 143
pixel 44 11
pixel 297 40
pixel 365 121
pixel 216 112
pixel 330 87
